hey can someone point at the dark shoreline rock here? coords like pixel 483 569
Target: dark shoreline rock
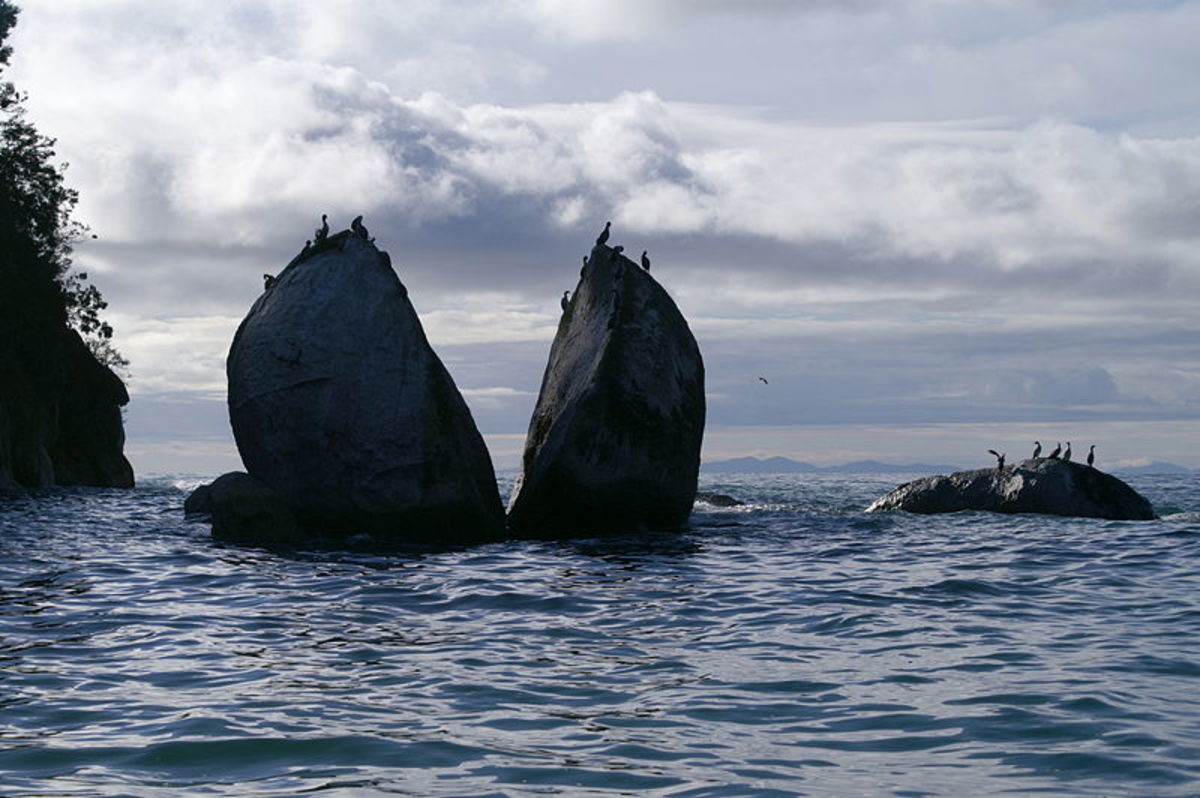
pixel 1053 487
pixel 340 406
pixel 60 416
pixel 614 442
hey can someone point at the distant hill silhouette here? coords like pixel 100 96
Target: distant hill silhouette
pixel 785 465
pixel 1155 468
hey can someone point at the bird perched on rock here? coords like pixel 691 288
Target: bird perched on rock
pixel 268 281
pixel 602 239
pixel 585 260
pixel 1091 458
pixel 1067 454
pixel 565 302
pixel 618 249
pixel 1057 451
pixel 999 459
pixel 357 227
pixel 645 261
pixel 1037 449
pixel 322 232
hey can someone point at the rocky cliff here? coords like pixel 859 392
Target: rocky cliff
pixel 1041 485
pixel 339 405
pixel 60 416
pixel 614 441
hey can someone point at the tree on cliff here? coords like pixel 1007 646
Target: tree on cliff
pixel 38 285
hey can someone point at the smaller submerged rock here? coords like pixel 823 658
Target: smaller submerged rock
pixel 1042 485
pixel 244 510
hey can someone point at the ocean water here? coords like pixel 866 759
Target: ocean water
pixel 792 646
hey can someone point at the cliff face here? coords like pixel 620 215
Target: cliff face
pixel 614 441
pixel 340 406
pixel 1042 485
pixel 60 416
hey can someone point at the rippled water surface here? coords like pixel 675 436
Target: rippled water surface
pixel 792 646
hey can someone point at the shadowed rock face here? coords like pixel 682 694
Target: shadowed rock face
pixel 60 415
pixel 340 406
pixel 1054 487
pixel 615 439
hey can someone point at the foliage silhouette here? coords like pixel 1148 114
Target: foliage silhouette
pixel 39 288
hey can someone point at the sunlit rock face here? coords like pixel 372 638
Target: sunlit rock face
pixel 340 406
pixel 1042 485
pixel 614 442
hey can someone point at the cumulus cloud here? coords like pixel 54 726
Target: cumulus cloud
pixel 889 236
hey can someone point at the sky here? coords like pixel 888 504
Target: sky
pixel 934 226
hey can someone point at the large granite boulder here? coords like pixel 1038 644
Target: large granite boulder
pixel 340 406
pixel 1042 485
pixel 614 441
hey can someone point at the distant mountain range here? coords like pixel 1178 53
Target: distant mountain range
pixel 786 465
pixel 1155 468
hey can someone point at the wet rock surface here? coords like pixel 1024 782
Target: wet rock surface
pixel 1042 485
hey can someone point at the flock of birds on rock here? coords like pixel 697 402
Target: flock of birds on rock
pixel 602 240
pixel 319 239
pixel 1056 454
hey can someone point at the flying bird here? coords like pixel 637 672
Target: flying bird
pixel 603 238
pixel 1067 453
pixel 764 381
pixel 1091 458
pixel 999 459
pixel 645 261
pixel 1037 449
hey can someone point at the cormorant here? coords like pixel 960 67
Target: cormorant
pixel 1037 449
pixel 1091 455
pixel 764 381
pixel 1057 451
pixel 307 248
pixel 564 302
pixel 323 231
pixel 618 249
pixel 999 459
pixel 585 260
pixel 268 281
pixel 1067 453
pixel 603 237
pixel 645 261
pixel 357 227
